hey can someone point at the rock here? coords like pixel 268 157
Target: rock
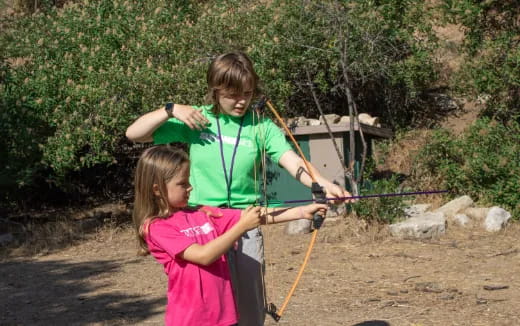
pixel 426 226
pixel 301 226
pixel 336 210
pixel 461 219
pixel 330 118
pixel 477 213
pixel 291 122
pixel 302 121
pixel 367 119
pixel 313 122
pixel 416 209
pixel 496 219
pixel 455 206
pixel 344 119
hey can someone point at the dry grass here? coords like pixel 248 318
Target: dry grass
pixel 401 153
pixel 55 230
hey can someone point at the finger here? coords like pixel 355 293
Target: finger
pixel 200 117
pixel 201 124
pixel 321 212
pixel 194 124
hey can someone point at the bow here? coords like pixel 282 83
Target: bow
pixel 319 196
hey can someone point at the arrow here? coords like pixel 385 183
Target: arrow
pixel 397 194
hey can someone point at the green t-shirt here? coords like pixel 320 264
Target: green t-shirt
pixel 207 174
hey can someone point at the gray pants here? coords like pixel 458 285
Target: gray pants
pixel 246 264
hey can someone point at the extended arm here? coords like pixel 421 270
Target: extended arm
pixel 143 128
pixel 296 167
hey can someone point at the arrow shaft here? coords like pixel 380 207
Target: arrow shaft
pixel 397 194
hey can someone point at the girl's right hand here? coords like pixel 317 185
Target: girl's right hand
pixel 250 217
pixel 191 117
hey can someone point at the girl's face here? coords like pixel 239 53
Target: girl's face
pixel 234 104
pixel 179 188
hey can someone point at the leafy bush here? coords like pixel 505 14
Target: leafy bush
pixel 380 209
pixel 72 79
pixel 484 163
pixel 492 50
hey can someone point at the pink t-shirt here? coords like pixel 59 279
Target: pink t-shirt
pixel 197 295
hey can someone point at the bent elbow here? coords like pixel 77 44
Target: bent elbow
pixel 129 135
pixel 206 261
pixel 135 137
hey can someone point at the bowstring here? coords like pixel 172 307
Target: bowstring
pixel 260 115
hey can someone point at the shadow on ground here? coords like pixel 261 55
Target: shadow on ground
pixel 57 292
pixel 372 323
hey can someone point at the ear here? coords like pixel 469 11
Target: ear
pixel 155 189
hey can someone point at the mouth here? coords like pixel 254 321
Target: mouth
pixel 239 110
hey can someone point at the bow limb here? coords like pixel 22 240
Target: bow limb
pixel 289 133
pixel 318 220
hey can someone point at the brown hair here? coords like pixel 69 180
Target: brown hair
pixel 231 71
pixel 156 166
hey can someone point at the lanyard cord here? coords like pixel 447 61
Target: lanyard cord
pixel 228 181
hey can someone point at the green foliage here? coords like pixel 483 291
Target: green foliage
pixel 375 44
pixel 484 163
pixel 72 79
pixel 380 209
pixel 492 48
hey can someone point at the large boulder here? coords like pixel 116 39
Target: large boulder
pixel 457 205
pixel 496 219
pixel 426 226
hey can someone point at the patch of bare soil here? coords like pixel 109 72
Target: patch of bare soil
pixel 356 276
pixel 460 120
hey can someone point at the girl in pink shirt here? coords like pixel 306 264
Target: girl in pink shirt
pixel 190 243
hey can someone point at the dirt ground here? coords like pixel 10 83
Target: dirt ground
pixel 356 276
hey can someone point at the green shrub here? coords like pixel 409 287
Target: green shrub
pixel 72 79
pixel 492 48
pixel 380 209
pixel 484 163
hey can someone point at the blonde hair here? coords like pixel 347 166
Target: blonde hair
pixel 233 72
pixel 156 166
